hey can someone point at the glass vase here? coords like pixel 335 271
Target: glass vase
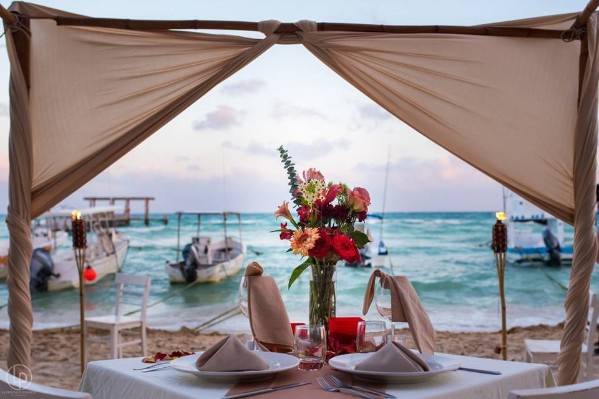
pixel 322 294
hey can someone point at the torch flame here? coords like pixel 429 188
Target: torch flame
pixel 76 215
pixel 500 216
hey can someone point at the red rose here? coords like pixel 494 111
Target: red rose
pixel 285 234
pixel 346 248
pixel 322 246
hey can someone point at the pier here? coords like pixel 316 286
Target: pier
pixel 125 218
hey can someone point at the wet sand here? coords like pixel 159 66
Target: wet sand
pixel 56 352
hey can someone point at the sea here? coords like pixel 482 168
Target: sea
pixel 446 256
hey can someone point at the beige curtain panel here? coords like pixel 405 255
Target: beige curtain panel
pixel 82 97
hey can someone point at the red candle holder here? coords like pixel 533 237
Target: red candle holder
pixel 343 332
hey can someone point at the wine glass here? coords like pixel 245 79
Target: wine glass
pixel 383 306
pixel 243 306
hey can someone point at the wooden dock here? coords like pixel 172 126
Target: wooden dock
pixel 125 218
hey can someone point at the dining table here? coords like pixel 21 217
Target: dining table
pixel 121 378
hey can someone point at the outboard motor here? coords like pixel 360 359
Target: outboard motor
pixel 42 268
pixel 553 247
pixel 189 269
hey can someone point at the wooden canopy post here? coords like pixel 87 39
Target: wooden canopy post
pixel 7 16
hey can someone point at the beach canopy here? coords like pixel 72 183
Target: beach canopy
pixel 517 100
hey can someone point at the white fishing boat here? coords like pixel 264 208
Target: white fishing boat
pixel 205 260
pixel 41 237
pixel 105 255
pixel 534 236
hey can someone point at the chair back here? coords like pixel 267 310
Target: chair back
pixel 585 390
pixel 12 386
pixel 592 330
pixel 134 290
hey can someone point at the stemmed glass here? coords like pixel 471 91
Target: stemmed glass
pixel 383 305
pixel 243 306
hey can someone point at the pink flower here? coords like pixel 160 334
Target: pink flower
pixel 283 211
pixel 332 193
pixel 313 174
pixel 359 199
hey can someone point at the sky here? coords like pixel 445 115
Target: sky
pixel 220 154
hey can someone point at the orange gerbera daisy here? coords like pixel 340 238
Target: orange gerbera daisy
pixel 303 240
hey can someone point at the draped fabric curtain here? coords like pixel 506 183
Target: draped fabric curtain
pixel 93 95
pixel 509 106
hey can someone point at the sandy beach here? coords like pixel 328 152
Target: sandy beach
pixel 56 352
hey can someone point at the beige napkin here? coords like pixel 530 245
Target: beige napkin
pixel 393 357
pixel 229 354
pixel 268 317
pixel 405 307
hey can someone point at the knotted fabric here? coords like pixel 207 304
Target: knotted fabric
pixel 268 317
pixel 405 307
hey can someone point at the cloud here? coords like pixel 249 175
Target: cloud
pixel 374 112
pixel 311 150
pixel 222 118
pixel 4 110
pixel 284 110
pixel 244 86
pixel 443 184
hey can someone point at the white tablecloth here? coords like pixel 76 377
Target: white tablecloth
pixel 116 379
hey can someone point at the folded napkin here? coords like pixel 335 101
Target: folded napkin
pixel 268 317
pixel 393 357
pixel 405 307
pixel 229 354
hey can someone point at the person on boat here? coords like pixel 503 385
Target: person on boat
pixel 42 268
pixel 552 244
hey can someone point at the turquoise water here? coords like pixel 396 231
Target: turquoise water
pixel 445 255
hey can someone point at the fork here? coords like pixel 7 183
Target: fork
pixel 152 365
pixel 324 384
pixel 336 382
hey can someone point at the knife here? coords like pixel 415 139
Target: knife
pixel 265 390
pixel 480 371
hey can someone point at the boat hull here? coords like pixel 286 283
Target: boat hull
pixel 210 274
pixel 103 265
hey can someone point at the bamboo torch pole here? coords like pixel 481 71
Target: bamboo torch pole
pixel 500 248
pixel 79 231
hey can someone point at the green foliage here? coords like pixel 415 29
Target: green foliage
pixel 360 238
pixel 291 173
pixel 299 270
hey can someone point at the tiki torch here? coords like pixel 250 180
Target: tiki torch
pixel 500 248
pixel 79 230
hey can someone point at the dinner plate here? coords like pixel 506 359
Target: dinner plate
pixel 438 364
pixel 277 363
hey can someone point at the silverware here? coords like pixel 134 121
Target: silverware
pixel 338 383
pixel 480 371
pixel 152 365
pixel 265 390
pixel 166 366
pixel 326 386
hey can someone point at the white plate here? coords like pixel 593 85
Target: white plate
pixel 277 363
pixel 437 364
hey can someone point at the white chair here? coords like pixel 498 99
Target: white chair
pixel 11 386
pixel 126 293
pixel 585 390
pixel 546 351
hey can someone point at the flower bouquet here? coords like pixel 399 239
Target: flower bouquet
pixel 323 232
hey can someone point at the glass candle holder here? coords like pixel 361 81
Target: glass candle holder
pixel 310 344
